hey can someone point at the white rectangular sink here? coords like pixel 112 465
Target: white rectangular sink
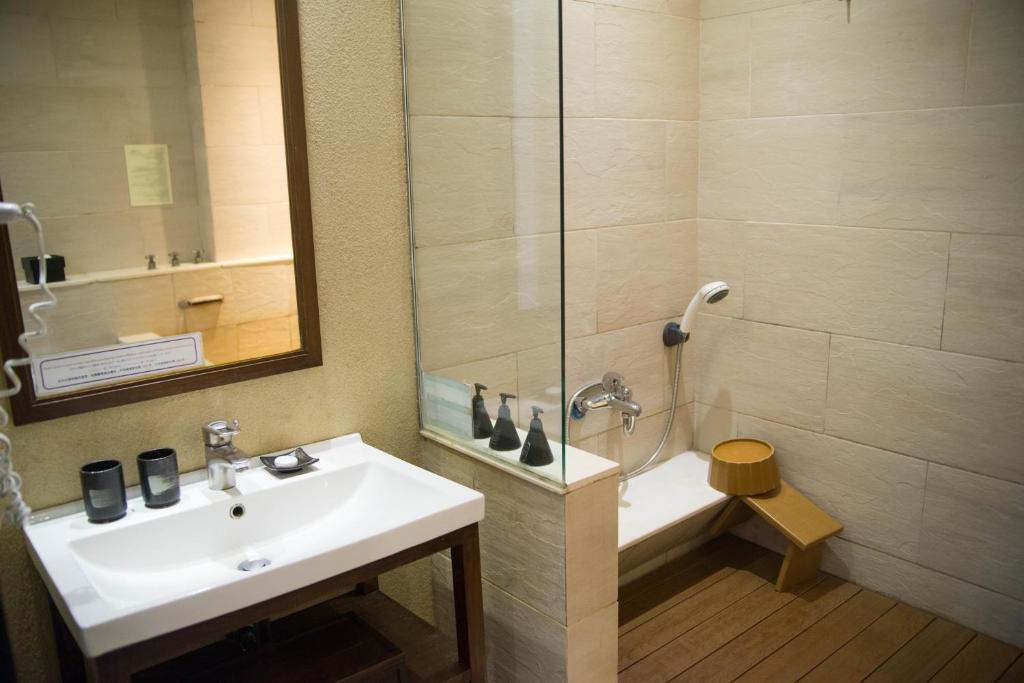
pixel 156 571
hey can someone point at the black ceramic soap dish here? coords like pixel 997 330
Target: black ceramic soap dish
pixel 304 461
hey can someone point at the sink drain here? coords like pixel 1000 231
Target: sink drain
pixel 253 565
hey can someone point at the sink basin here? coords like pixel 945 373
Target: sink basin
pixel 156 571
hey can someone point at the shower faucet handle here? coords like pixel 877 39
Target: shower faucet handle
pixel 613 382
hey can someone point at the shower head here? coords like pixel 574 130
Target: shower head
pixel 711 293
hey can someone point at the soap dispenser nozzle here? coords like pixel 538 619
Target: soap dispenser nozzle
pixel 505 437
pixel 482 427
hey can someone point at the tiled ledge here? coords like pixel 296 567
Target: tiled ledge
pixel 581 467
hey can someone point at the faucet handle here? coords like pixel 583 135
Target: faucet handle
pixel 612 382
pixel 220 432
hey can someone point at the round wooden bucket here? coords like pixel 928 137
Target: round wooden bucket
pixel 743 467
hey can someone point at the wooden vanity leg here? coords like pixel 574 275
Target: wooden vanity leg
pixel 368 586
pixel 799 566
pixel 106 669
pixel 469 603
pixel 69 657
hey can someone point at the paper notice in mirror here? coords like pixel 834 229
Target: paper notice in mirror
pixel 149 175
pixel 75 370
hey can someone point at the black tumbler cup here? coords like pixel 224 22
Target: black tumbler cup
pixel 103 491
pixel 158 476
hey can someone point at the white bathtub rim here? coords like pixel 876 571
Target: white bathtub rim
pixel 693 466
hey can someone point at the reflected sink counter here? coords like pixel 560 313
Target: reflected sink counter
pixel 156 571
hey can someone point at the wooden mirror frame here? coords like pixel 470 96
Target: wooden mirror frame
pixel 27 407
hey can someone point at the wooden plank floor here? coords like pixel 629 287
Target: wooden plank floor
pixel 714 615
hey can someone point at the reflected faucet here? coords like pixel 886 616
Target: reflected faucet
pixel 223 457
pixel 612 393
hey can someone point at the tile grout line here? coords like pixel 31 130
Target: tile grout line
pixel 877 448
pixel 828 384
pixel 824 226
pixel 945 291
pixel 967 56
pixel 852 336
pixel 876 112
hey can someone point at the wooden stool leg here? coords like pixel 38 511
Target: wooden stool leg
pixel 732 514
pixel 469 604
pixel 799 566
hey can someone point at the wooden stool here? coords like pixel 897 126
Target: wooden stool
pixel 804 524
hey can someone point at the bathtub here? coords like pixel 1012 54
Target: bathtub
pixel 665 512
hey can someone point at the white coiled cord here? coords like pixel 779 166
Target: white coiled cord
pixel 14 509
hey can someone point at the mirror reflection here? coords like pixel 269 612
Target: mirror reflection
pixel 149 135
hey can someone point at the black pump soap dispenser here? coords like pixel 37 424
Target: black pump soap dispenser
pixel 536 450
pixel 505 436
pixel 482 427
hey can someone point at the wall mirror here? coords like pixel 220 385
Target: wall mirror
pixel 163 144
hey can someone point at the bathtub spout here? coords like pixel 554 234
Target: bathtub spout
pixel 610 392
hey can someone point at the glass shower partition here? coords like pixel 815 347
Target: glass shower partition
pixel 483 89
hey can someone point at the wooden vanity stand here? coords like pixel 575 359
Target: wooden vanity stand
pixel 119 665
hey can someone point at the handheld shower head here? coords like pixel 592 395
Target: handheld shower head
pixel 711 293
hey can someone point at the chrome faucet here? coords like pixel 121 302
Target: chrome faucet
pixel 612 393
pixel 223 457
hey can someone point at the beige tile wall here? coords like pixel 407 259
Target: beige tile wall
pixel 234 95
pixel 483 95
pixel 80 80
pixel 861 190
pixel 258 316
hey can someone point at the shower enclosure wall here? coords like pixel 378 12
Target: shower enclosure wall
pixel 483 89
pixel 553 182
